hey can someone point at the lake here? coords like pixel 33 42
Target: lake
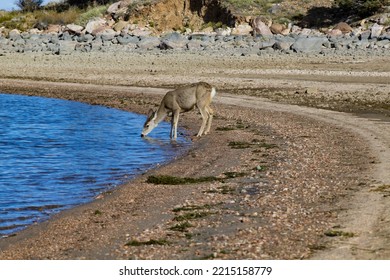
pixel 55 154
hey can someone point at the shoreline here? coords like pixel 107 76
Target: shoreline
pixel 70 214
pixel 276 196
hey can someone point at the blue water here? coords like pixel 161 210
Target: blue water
pixel 55 154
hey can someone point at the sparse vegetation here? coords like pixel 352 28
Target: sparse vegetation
pixel 254 143
pixel 334 233
pixel 172 180
pixel 181 227
pixel 191 208
pixel 149 242
pixel 385 189
pixel 191 216
pixel 257 6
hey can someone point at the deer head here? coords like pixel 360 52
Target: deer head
pixel 150 123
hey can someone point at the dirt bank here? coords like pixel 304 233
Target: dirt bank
pixel 285 177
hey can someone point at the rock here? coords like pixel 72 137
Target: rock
pixel 268 44
pixel 34 31
pixel 97 44
pixel 384 19
pixel 335 32
pixel 260 28
pixel 113 8
pixel 118 10
pixel 383 43
pixel 365 35
pixel 83 38
pixel 386 36
pixel 83 47
pixel 141 31
pixel 173 41
pixel 376 30
pixel 242 29
pixel 108 34
pixel 120 25
pixel 74 28
pixel 305 32
pixel 295 29
pixel 95 24
pixel 277 28
pixel 194 45
pixel 168 45
pixel 34 37
pixel 19 42
pixel 67 47
pixel 309 44
pixel 282 45
pixel 65 36
pixel 343 27
pixel 223 31
pixel 148 43
pixel 14 34
pixel 127 39
pixel 54 28
pixel 287 30
pixel 201 37
pixel 311 90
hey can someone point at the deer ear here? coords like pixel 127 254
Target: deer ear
pixel 150 113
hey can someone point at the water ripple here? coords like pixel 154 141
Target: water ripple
pixel 55 154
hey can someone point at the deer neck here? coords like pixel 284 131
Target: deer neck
pixel 162 112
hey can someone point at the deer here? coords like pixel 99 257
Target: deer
pixel 180 100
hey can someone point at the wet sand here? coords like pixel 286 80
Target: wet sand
pixel 286 177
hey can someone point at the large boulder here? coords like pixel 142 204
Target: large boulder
pixel 277 28
pixel 118 10
pixel 309 44
pixel 120 25
pixel 335 32
pixel 108 34
pixel 173 41
pixel 128 40
pixel 148 43
pixel 242 29
pixel 260 28
pixel 376 30
pixel 74 28
pixel 14 34
pixel 53 28
pixel 95 24
pixel 343 27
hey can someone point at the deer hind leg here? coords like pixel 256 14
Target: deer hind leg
pixel 209 120
pixel 174 122
pixel 205 117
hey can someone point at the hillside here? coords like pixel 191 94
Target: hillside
pixel 182 15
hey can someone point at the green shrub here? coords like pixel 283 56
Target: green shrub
pixel 29 5
pixel 361 7
pixel 91 13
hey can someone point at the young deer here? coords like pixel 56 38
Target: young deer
pixel 180 100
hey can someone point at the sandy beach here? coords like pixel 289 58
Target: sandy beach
pixel 298 158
